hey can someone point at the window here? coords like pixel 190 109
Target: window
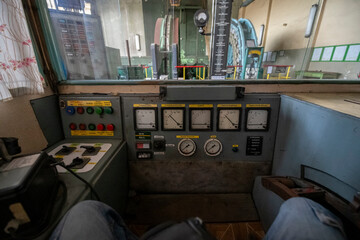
pixel 157 39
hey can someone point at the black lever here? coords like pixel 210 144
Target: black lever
pixel 75 161
pixel 89 149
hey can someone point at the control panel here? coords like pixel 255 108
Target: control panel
pixel 91 116
pixel 240 129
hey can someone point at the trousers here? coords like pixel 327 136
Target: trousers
pixel 298 219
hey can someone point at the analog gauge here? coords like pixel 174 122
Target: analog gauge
pixel 173 119
pixel 145 119
pixel 229 119
pixel 257 119
pixel 187 147
pixel 213 147
pixel 200 119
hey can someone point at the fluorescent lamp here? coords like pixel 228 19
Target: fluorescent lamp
pixel 261 35
pixel 137 42
pixel 311 20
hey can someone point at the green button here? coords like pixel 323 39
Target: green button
pixel 109 110
pixel 92 126
pixel 89 110
pixel 99 110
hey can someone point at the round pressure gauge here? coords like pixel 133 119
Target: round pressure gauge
pixel 200 119
pixel 213 147
pixel 145 119
pixel 201 17
pixel 229 119
pixel 186 147
pixel 173 119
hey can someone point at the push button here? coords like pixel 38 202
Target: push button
pixel 92 126
pixel 70 110
pixel 89 110
pixel 82 126
pixel 80 110
pixel 109 110
pixel 72 126
pixel 99 110
pixel 110 127
pixel 100 127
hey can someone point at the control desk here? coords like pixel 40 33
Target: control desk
pixel 199 145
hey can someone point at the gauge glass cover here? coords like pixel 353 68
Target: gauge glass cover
pixel 229 119
pixel 186 147
pixel 173 119
pixel 213 147
pixel 257 119
pixel 201 119
pixel 145 119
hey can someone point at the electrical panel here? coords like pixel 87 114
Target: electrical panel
pixel 82 45
pixel 242 129
pixel 91 116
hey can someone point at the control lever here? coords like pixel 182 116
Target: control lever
pixel 75 161
pixel 66 149
pixel 89 149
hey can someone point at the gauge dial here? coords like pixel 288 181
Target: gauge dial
pixel 187 147
pixel 173 119
pixel 145 119
pixel 257 119
pixel 229 119
pixel 201 119
pixel 213 147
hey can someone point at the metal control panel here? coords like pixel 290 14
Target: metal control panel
pixel 238 130
pixel 91 116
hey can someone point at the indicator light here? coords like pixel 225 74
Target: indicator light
pixel 110 127
pixel 70 110
pixel 72 126
pixel 89 110
pixel 109 110
pixel 99 110
pixel 100 127
pixel 82 126
pixel 80 110
pixel 92 126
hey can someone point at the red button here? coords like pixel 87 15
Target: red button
pixel 139 145
pixel 110 127
pixel 80 110
pixel 72 126
pixel 82 126
pixel 100 127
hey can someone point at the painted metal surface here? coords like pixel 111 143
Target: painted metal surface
pixel 322 139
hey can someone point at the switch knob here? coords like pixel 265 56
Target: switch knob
pixel 80 110
pixel 89 110
pixel 109 110
pixel 92 126
pixel 72 126
pixel 82 126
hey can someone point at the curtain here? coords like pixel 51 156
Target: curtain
pixel 19 73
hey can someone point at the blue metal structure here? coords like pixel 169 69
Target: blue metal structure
pixel 244 50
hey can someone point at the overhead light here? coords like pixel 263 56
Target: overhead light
pixel 261 35
pixel 311 20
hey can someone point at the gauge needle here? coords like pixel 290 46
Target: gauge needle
pixel 230 120
pixel 185 147
pixel 174 120
pixel 212 147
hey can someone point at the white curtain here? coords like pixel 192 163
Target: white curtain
pixel 19 73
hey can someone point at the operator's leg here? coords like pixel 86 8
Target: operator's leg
pixel 301 218
pixel 92 220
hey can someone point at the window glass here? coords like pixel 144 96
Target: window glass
pixel 158 39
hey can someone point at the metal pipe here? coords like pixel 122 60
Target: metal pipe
pixel 128 51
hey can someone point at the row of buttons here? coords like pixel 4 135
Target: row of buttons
pixel 91 126
pixel 90 110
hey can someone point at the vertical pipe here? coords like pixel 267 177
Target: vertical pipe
pixel 128 51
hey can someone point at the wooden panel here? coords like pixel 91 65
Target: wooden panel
pixel 195 176
pixel 157 208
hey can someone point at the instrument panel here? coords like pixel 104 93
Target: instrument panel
pixel 241 129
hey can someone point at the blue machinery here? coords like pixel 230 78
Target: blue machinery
pixel 244 50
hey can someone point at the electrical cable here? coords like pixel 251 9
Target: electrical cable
pixel 92 190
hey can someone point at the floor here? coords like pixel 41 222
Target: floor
pixel 222 231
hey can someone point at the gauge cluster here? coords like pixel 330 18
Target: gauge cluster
pixel 222 130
